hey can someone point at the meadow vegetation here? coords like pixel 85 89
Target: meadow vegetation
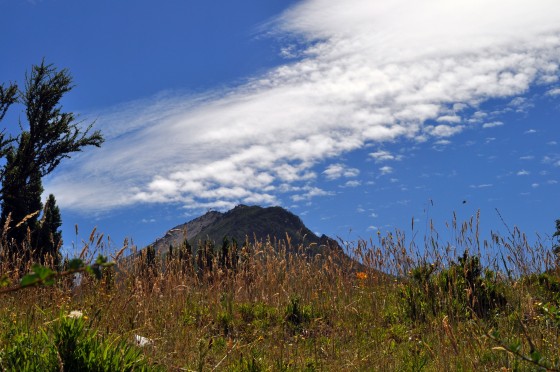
pixel 401 304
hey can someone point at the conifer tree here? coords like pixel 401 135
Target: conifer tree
pixel 21 198
pixel 49 237
pixel 49 136
pixel 556 240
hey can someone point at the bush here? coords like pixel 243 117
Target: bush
pixel 67 345
pixel 460 291
pixel 296 314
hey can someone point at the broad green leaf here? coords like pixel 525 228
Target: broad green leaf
pixel 42 271
pixel 29 279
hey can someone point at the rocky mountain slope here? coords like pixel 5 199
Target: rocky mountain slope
pixel 244 222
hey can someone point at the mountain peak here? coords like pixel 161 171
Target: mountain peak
pixel 245 222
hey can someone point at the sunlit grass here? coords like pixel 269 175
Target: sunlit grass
pixel 399 305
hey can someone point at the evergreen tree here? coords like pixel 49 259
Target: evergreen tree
pixel 50 136
pixel 556 236
pixel 49 237
pixel 21 199
pixel 8 96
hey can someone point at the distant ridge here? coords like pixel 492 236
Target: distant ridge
pixel 252 222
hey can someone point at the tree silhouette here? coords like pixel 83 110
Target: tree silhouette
pixel 556 236
pixel 49 237
pixel 50 136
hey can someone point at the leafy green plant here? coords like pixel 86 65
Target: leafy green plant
pixel 287 312
pixel 42 275
pixel 27 351
pixel 225 320
pixel 545 286
pixel 420 294
pixel 460 291
pixel 298 314
pixel 68 345
pixel 475 293
pixel 515 347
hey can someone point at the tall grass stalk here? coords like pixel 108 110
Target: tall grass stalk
pixel 394 304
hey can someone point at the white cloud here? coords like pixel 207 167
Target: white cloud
pixel 481 186
pixel 523 172
pixel 386 170
pixel 521 104
pixel 548 79
pixel 443 130
pixel 310 192
pixel 372 71
pixel 492 124
pixel 477 117
pixel 449 119
pixel 352 183
pixel 552 159
pixel 290 52
pixel 382 155
pixel 338 170
pixel 553 92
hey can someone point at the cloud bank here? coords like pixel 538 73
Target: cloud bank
pixel 367 72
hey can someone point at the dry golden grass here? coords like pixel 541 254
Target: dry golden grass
pixel 280 311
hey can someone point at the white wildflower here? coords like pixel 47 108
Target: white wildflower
pixel 143 341
pixel 75 314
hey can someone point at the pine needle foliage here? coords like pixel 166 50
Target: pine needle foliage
pixel 48 136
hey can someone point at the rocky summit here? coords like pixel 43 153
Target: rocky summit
pixel 251 223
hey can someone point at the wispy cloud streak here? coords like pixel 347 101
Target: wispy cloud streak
pixel 370 72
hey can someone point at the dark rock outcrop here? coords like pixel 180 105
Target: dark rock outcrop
pixel 251 223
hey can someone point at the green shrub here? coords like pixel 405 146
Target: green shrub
pixel 460 291
pixel 67 345
pixel 544 286
pixel 297 314
pixel 23 351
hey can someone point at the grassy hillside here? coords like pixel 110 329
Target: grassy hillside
pixel 466 304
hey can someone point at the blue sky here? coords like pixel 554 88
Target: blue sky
pixel 357 116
